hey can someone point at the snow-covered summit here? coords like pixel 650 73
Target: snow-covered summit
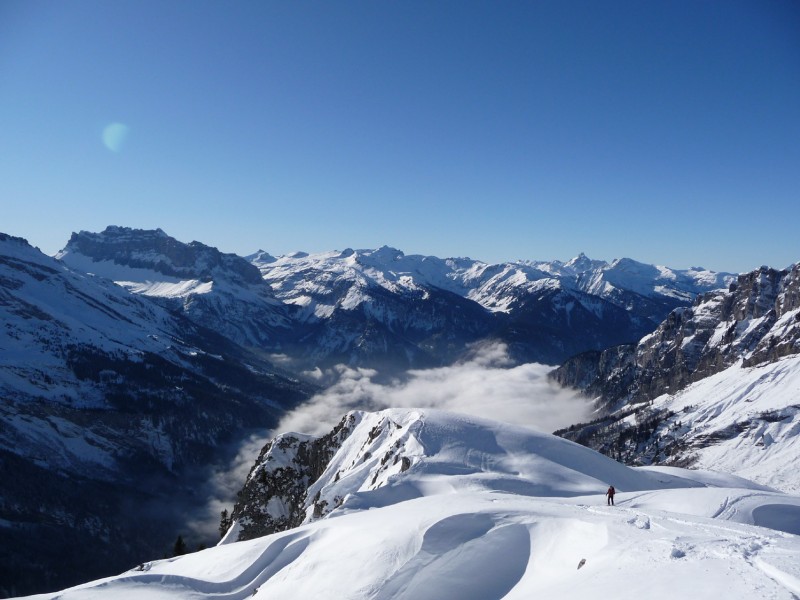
pixel 375 459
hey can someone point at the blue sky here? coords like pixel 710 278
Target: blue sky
pixel 668 132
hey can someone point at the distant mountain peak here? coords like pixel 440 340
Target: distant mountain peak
pixel 4 237
pixel 383 254
pixel 583 263
pixel 260 256
pixel 153 249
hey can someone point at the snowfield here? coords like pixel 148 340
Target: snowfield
pixel 488 511
pixel 744 420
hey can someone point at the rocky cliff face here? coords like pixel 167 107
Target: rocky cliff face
pixel 703 365
pixel 155 250
pixel 607 374
pixel 298 478
pixel 755 321
pixel 274 497
pixel 219 291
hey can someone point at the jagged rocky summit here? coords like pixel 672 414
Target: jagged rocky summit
pixel 755 321
pixel 276 495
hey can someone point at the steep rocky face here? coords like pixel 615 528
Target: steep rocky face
pixel 298 479
pixel 274 497
pixel 156 251
pixel 754 321
pixel 608 373
pixel 223 292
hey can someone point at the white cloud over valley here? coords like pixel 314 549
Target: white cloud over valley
pixel 486 385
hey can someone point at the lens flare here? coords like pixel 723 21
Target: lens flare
pixel 114 136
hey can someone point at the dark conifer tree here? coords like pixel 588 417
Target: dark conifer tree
pixel 180 547
pixel 224 522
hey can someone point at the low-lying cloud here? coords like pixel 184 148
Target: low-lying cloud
pixel 485 385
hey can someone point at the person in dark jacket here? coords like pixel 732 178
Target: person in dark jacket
pixel 610 493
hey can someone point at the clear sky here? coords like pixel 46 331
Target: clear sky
pixel 666 131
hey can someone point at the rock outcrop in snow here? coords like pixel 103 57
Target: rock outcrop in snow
pixel 275 496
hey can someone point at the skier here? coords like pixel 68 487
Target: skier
pixel 610 493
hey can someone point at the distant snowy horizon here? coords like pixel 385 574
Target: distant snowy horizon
pixel 52 247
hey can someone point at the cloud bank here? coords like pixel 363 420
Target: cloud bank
pixel 484 385
pixel 487 384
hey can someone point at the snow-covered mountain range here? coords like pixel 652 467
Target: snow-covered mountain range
pixel 108 399
pixel 384 308
pixel 479 510
pixel 127 362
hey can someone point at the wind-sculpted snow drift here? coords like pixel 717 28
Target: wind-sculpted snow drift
pixel 478 510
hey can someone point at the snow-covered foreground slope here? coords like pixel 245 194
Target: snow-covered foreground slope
pixel 743 420
pixel 488 511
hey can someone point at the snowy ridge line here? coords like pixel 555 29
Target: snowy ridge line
pixel 280 553
pixel 493 286
pixel 465 533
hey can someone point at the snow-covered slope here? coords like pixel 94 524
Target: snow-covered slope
pixel 744 420
pixel 488 511
pixel 104 397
